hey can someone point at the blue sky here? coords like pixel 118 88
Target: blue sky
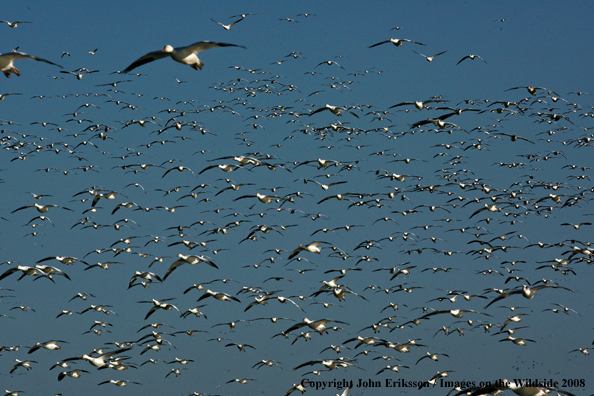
pixel 265 116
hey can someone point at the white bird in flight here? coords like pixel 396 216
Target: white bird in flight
pixel 227 27
pixel 430 58
pixel 7 62
pixel 14 24
pixel 312 247
pixel 396 42
pixel 187 55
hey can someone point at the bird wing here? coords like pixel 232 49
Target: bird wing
pixel 207 261
pixel 318 110
pixel 504 295
pixel 478 211
pixel 419 123
pixel 310 363
pixel 151 56
pixel 380 43
pixel 295 252
pixel 466 57
pixel 205 295
pixel 353 113
pixel 8 272
pixel 21 208
pixel 118 351
pixel 295 327
pixel 233 298
pixel 22 55
pixel 203 46
pixel 173 267
pixel 294 303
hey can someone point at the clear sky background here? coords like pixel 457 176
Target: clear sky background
pixel 256 102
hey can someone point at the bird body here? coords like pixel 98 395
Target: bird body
pixel 312 248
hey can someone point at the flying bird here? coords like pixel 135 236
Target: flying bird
pixel 526 292
pixel 51 345
pixel 333 109
pixel 430 58
pixel 471 57
pixel 7 62
pixel 14 24
pixel 227 27
pixel 317 325
pixel 312 247
pixel 396 42
pixel 187 55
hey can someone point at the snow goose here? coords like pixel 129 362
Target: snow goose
pixel 526 292
pixel 268 363
pixel 72 374
pixel 241 347
pixel 297 387
pixel 26 364
pixel 312 248
pixel 429 58
pixel 218 296
pixel 517 341
pixel 396 42
pixel 40 208
pixel 330 364
pixel 26 270
pixel 456 313
pixel 7 62
pixel 334 110
pixel 99 361
pixel 62 259
pixel 418 104
pixel 187 55
pixel 241 380
pixel 227 27
pixel 159 305
pixel 183 259
pixel 471 57
pixel 119 382
pixel 395 368
pixel 584 351
pixel 432 356
pixel 14 24
pixel 51 345
pixel 318 325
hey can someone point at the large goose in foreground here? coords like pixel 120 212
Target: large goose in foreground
pixel 186 55
pixel 7 62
